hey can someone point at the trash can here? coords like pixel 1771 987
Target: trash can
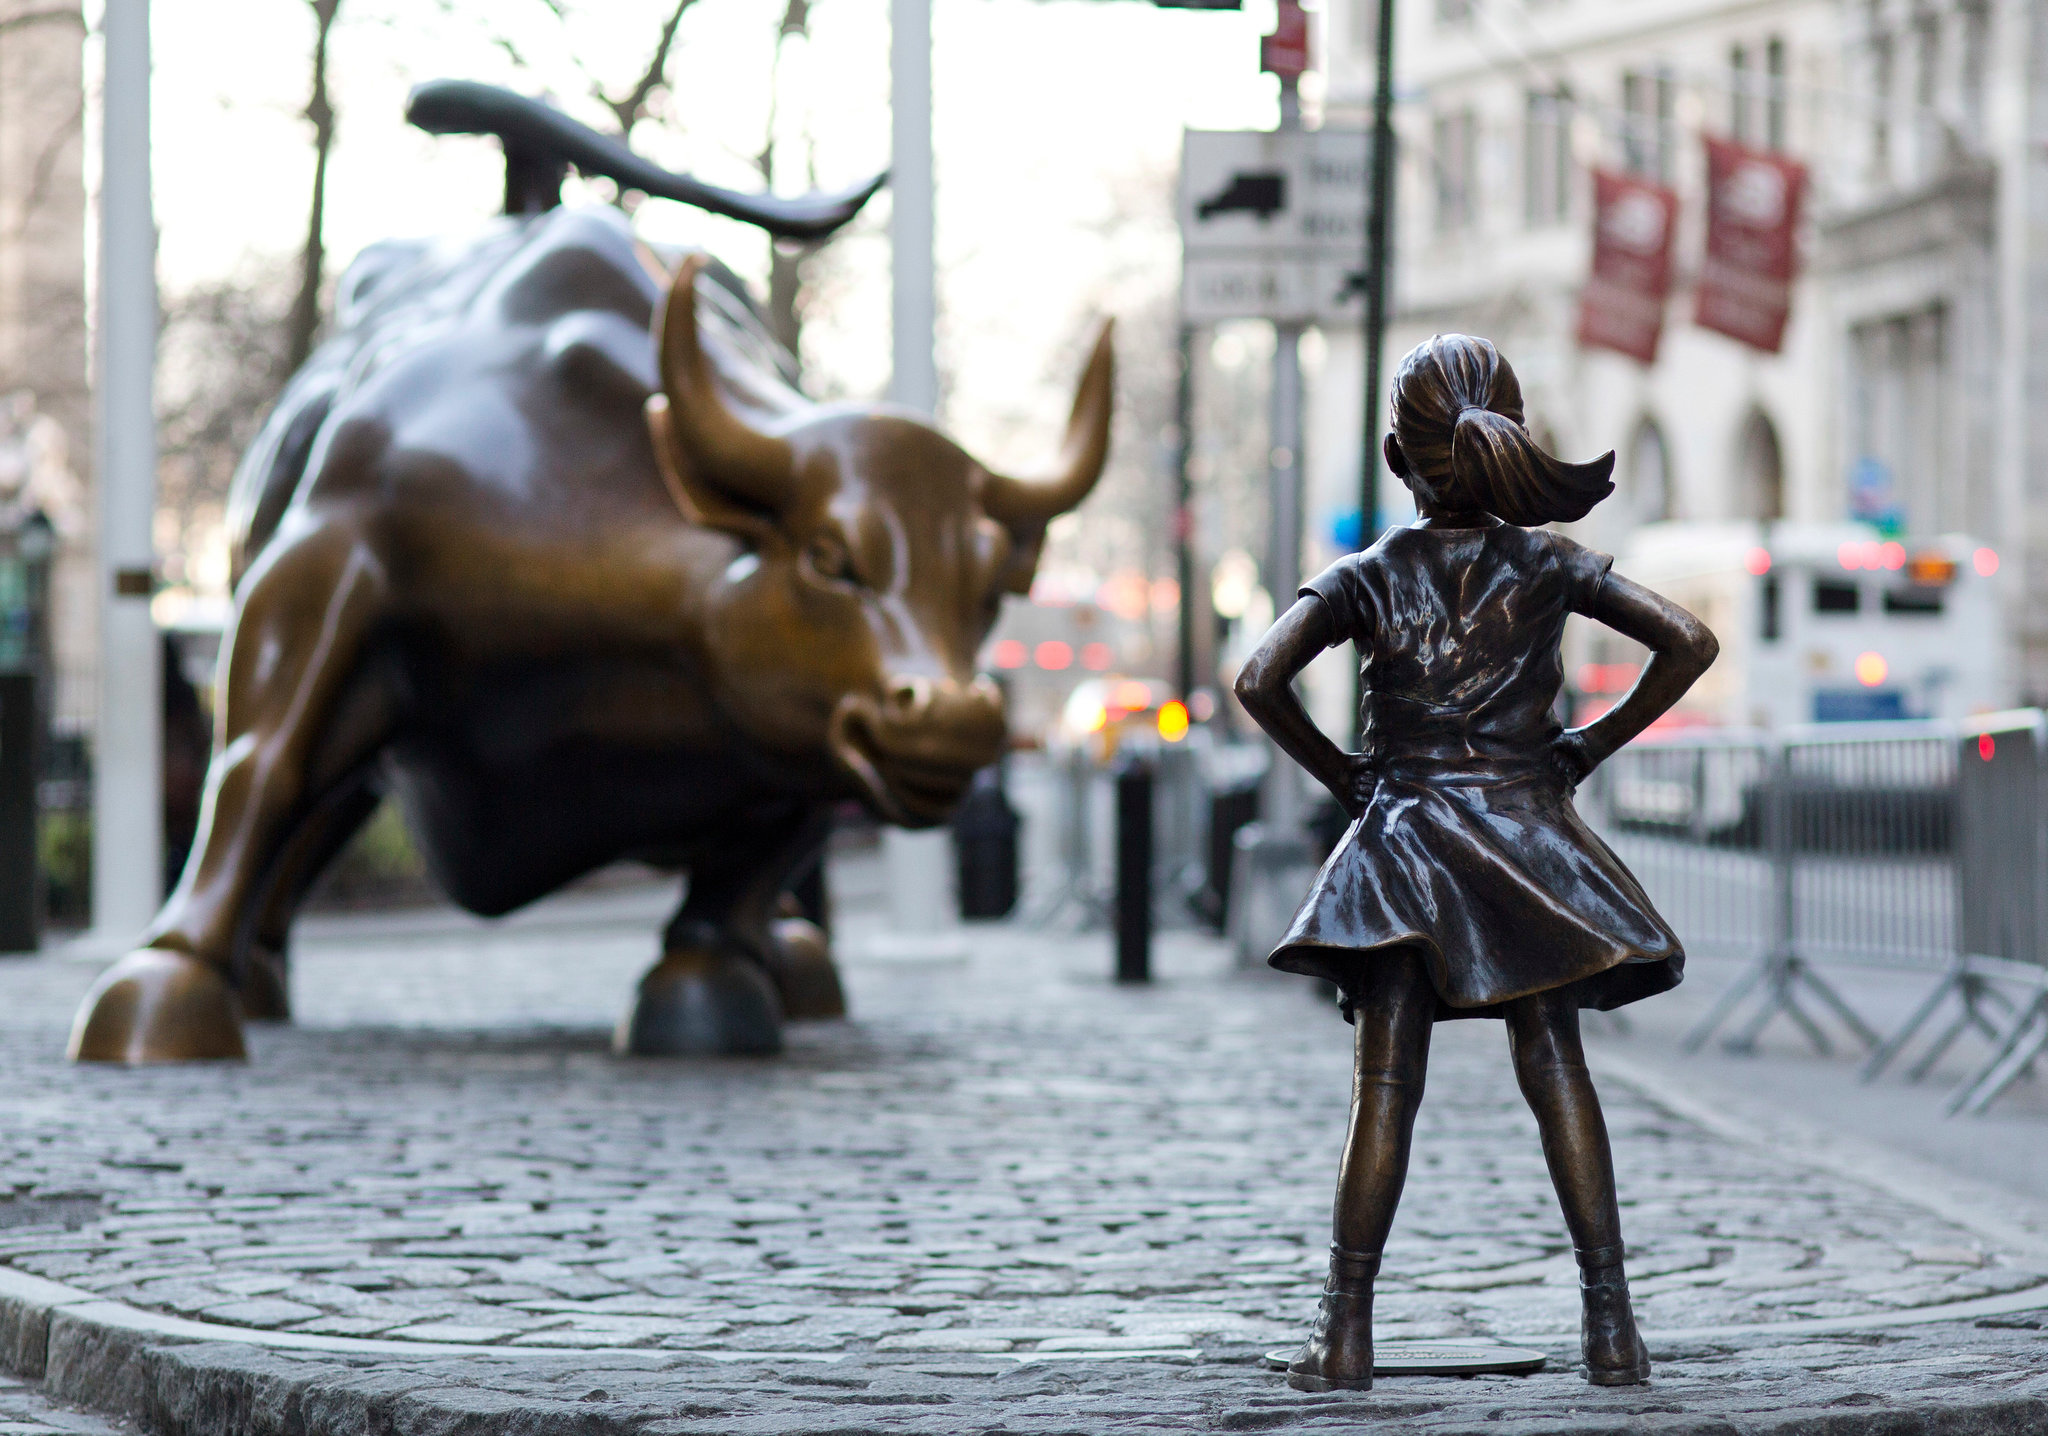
pixel 985 848
pixel 21 888
pixel 25 547
pixel 1230 807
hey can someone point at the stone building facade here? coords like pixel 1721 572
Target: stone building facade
pixel 45 395
pixel 1916 359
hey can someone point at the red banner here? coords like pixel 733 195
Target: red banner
pixel 1753 201
pixel 1622 305
pixel 1285 51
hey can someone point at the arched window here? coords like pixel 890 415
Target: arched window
pixel 1648 476
pixel 1762 495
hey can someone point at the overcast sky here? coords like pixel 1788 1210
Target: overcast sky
pixel 1051 117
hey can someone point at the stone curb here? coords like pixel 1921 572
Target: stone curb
pixel 195 1378
pixel 2000 1216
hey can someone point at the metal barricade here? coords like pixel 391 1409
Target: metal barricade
pixel 2002 867
pixel 1074 882
pixel 1074 893
pixel 1914 845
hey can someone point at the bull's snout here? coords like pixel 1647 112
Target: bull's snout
pixel 967 709
pixel 917 746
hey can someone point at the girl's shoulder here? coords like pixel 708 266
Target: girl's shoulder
pixel 1539 554
pixel 1583 569
pixel 1409 545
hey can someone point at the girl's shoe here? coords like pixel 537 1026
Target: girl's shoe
pixel 1338 1355
pixel 1613 1348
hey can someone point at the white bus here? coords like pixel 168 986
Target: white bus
pixel 1819 623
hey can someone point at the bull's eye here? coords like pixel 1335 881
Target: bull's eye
pixel 829 560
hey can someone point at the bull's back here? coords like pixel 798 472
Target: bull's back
pixel 493 383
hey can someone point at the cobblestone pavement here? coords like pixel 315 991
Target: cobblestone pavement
pixel 1008 1189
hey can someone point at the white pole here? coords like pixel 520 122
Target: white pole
pixel 1284 805
pixel 1274 861
pixel 919 866
pixel 127 856
pixel 914 310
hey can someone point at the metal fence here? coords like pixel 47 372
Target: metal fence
pixel 1907 845
pixel 1913 846
pixel 1202 792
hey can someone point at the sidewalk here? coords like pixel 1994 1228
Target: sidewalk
pixel 1006 1194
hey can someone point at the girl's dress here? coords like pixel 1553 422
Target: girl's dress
pixel 1470 849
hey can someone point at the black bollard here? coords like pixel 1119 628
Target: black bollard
pixel 1134 870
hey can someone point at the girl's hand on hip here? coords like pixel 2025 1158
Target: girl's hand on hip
pixel 1572 756
pixel 1353 789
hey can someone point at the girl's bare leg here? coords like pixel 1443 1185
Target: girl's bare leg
pixel 1392 1011
pixel 1550 1065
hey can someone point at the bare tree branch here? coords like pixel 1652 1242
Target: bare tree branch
pixel 46 166
pixel 42 17
pixel 785 278
pixel 629 109
pixel 512 51
pixel 304 322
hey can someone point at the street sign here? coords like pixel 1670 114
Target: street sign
pixel 1287 287
pixel 1273 225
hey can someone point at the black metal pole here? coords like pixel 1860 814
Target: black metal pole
pixel 1184 513
pixel 1378 227
pixel 1134 870
pixel 20 885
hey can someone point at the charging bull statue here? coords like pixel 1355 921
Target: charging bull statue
pixel 545 543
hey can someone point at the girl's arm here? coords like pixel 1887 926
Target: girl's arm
pixel 1265 685
pixel 1681 649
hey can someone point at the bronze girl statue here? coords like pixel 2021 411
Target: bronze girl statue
pixel 1467 885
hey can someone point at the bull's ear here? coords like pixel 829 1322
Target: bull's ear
pixel 1020 563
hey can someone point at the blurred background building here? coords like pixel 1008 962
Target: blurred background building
pixel 1904 389
pixel 45 398
pixel 1901 397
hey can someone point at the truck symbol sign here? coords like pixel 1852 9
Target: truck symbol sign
pixel 1260 192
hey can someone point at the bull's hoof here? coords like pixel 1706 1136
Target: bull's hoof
pixel 158 1006
pixel 702 1004
pixel 266 985
pixel 801 965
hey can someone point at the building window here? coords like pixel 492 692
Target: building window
pixel 1926 60
pixel 1649 474
pixel 1546 156
pixel 1453 12
pixel 1365 26
pixel 1976 35
pixel 1763 470
pixel 1456 170
pixel 1776 94
pixel 1741 94
pixel 1901 467
pixel 1880 107
pixel 1649 130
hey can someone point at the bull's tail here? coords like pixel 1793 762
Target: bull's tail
pixel 541 143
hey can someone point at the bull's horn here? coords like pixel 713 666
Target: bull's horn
pixel 1031 503
pixel 706 437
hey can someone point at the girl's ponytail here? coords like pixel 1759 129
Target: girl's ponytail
pixel 1498 465
pixel 1456 411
